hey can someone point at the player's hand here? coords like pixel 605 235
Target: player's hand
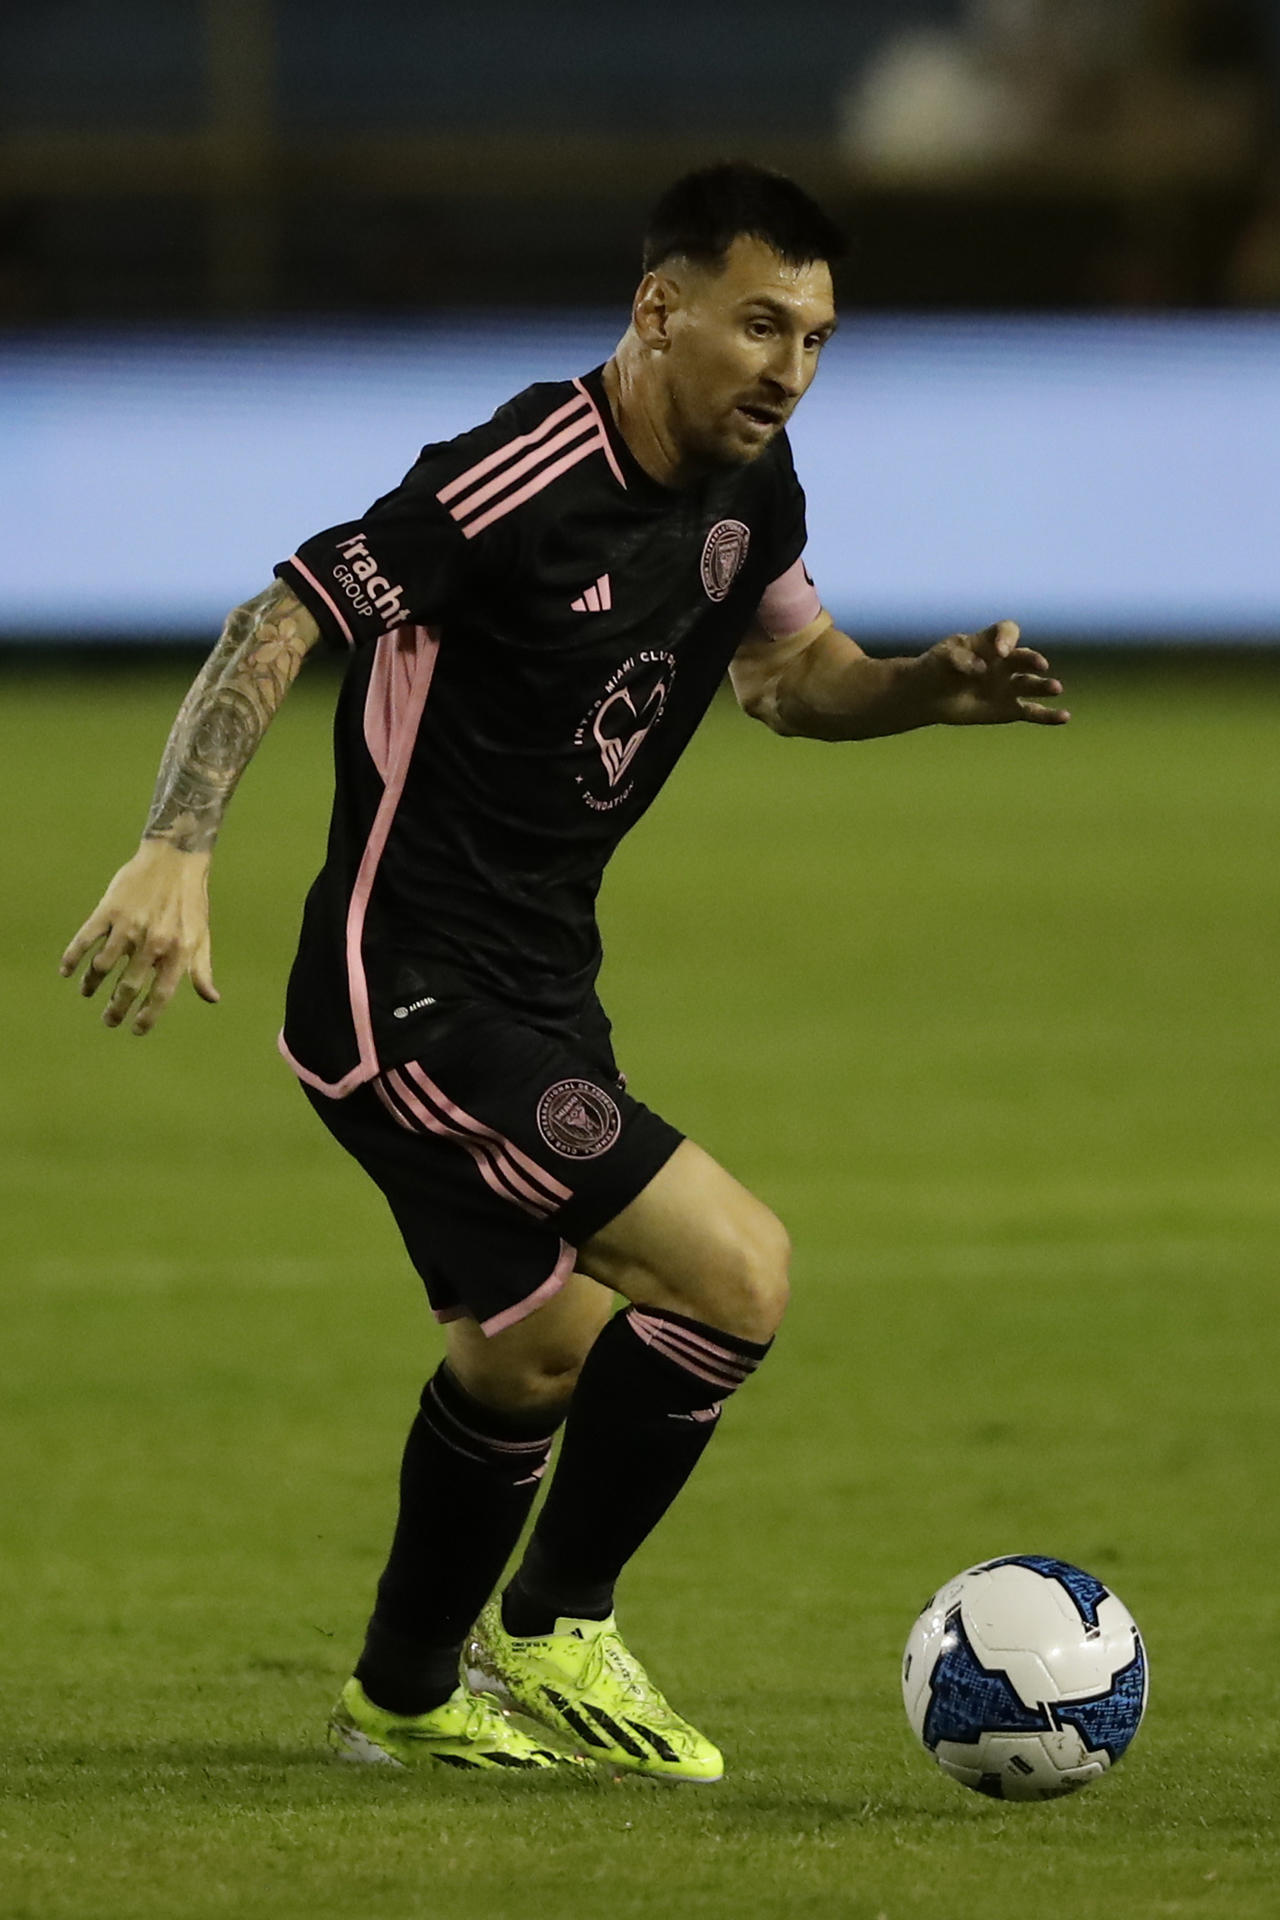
pixel 153 918
pixel 987 679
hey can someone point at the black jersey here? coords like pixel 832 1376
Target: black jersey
pixel 538 627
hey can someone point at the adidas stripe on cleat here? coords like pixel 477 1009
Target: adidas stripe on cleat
pixel 469 1731
pixel 583 1681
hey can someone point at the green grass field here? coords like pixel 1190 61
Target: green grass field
pixel 990 1019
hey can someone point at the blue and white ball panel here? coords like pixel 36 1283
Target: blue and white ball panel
pixel 1025 1677
pixel 1085 1589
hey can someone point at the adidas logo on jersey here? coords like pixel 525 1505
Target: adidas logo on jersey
pixel 596 599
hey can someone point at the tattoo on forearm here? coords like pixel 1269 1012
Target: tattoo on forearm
pixel 224 716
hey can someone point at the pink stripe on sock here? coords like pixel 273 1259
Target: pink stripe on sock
pixel 711 1350
pixel 672 1343
pixel 704 1359
pixel 541 1445
pixel 449 1440
pixel 714 1376
pixel 509 451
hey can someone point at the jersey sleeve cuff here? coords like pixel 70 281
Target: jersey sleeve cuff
pixel 320 604
pixel 790 603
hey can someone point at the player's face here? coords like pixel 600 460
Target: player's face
pixel 744 347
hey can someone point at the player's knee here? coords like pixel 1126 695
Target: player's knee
pixel 742 1285
pixel 754 1281
pixel 539 1382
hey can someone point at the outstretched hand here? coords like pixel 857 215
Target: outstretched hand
pixel 987 679
pixel 154 917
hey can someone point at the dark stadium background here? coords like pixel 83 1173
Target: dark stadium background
pixel 990 1020
pixel 1058 389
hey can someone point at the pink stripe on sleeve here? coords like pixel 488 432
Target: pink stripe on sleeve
pixel 789 604
pixel 539 481
pixel 328 598
pixel 468 505
pixel 509 451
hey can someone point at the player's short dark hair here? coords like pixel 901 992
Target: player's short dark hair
pixel 701 215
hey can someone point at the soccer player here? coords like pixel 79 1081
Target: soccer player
pixel 538 617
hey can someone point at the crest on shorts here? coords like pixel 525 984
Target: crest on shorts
pixel 723 555
pixel 578 1119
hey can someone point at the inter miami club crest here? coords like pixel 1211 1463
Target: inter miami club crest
pixel 723 555
pixel 578 1119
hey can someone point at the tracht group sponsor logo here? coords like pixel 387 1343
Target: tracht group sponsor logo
pixel 369 591
pixel 619 724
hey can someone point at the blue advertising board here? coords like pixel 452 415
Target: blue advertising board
pixel 1101 479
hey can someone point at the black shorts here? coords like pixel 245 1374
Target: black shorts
pixel 500 1149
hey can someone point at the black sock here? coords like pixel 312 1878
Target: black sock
pixel 644 1408
pixel 467 1482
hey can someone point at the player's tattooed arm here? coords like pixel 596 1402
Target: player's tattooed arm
pixel 153 920
pixel 223 718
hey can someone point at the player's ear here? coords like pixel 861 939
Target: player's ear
pixel 656 297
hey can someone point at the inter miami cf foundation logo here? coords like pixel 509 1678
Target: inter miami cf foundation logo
pixel 619 724
pixel 723 555
pixel 578 1119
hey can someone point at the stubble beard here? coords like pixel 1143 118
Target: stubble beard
pixel 709 452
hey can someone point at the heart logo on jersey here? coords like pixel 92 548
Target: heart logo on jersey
pixel 620 730
pixel 615 727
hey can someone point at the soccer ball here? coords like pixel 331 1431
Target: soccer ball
pixel 1025 1678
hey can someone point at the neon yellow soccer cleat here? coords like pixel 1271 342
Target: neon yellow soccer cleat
pixel 469 1730
pixel 582 1681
